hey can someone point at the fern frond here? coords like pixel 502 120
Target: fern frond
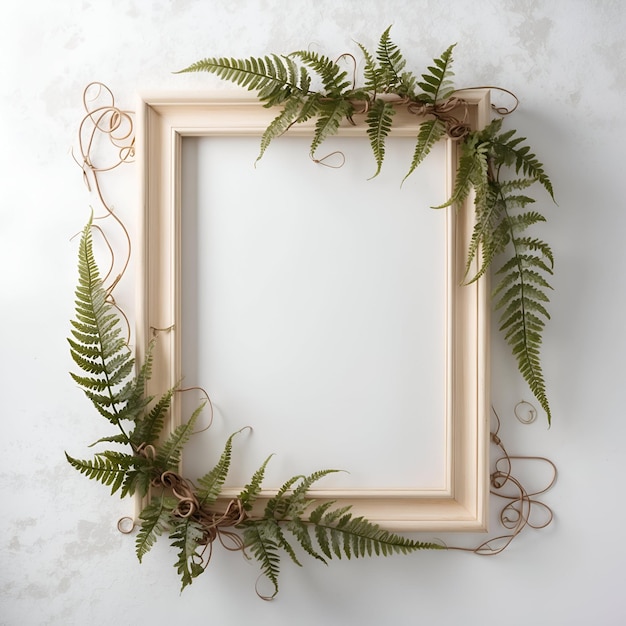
pixel 392 65
pixel 437 84
pixel 334 79
pixel 490 234
pixel 138 479
pixel 330 115
pixel 298 528
pixel 110 468
pixel 373 75
pixel 379 120
pixel 156 518
pixel 473 167
pixel 507 150
pixel 358 537
pixel 168 454
pixel 274 78
pixel 521 297
pixel 297 501
pixel 277 506
pixel 120 438
pixel 97 346
pixel 211 483
pixel 252 490
pixel 148 428
pixel 263 539
pixel 429 134
pixel 186 536
pixel 297 109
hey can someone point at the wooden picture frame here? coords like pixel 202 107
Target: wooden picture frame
pixel 164 120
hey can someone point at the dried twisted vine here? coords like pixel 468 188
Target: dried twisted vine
pixel 104 120
pixel 522 509
pixel 212 522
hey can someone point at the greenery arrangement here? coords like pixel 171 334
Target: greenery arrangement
pixel 146 458
pixel 497 165
pixel 148 464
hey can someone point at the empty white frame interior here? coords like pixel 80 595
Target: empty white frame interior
pixel 322 309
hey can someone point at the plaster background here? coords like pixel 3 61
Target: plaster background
pixel 61 559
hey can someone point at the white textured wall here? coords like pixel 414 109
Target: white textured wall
pixel 62 560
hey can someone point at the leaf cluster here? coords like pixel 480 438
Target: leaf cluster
pixel 286 81
pixel 108 379
pixel 293 521
pixel 502 220
pixel 487 157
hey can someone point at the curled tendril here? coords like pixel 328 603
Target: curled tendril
pixel 521 507
pixel 103 120
pixel 525 412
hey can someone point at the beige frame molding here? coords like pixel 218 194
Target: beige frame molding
pixel 164 119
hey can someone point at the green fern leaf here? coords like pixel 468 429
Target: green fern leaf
pixel 186 536
pixel 211 483
pixel 274 78
pixel 279 125
pixel 97 346
pixel 156 518
pixel 330 543
pixel 277 506
pixel 262 539
pixel 521 298
pixel 358 537
pixel 472 169
pixel 330 115
pixel 373 75
pixel 297 501
pixel 120 438
pixel 252 490
pixel 429 134
pixel 508 151
pixel 333 78
pixel 148 428
pixel 139 479
pixel 437 84
pixel 379 120
pixel 286 546
pixel 168 454
pixel 392 65
pixel 300 531
pixel 109 468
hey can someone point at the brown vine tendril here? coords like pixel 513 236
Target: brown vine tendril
pixel 348 55
pixel 212 522
pixel 501 110
pixel 521 506
pixel 103 119
pixel 208 401
pixel 530 412
pixel 323 160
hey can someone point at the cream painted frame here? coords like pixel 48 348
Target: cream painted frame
pixel 163 121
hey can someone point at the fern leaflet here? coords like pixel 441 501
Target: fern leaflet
pixel 333 78
pixel 252 490
pixel 392 65
pixel 155 519
pixel 168 454
pixel 379 120
pixel 212 482
pixel 186 536
pixel 262 538
pixel 109 468
pixel 437 84
pixel 274 78
pixel 429 134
